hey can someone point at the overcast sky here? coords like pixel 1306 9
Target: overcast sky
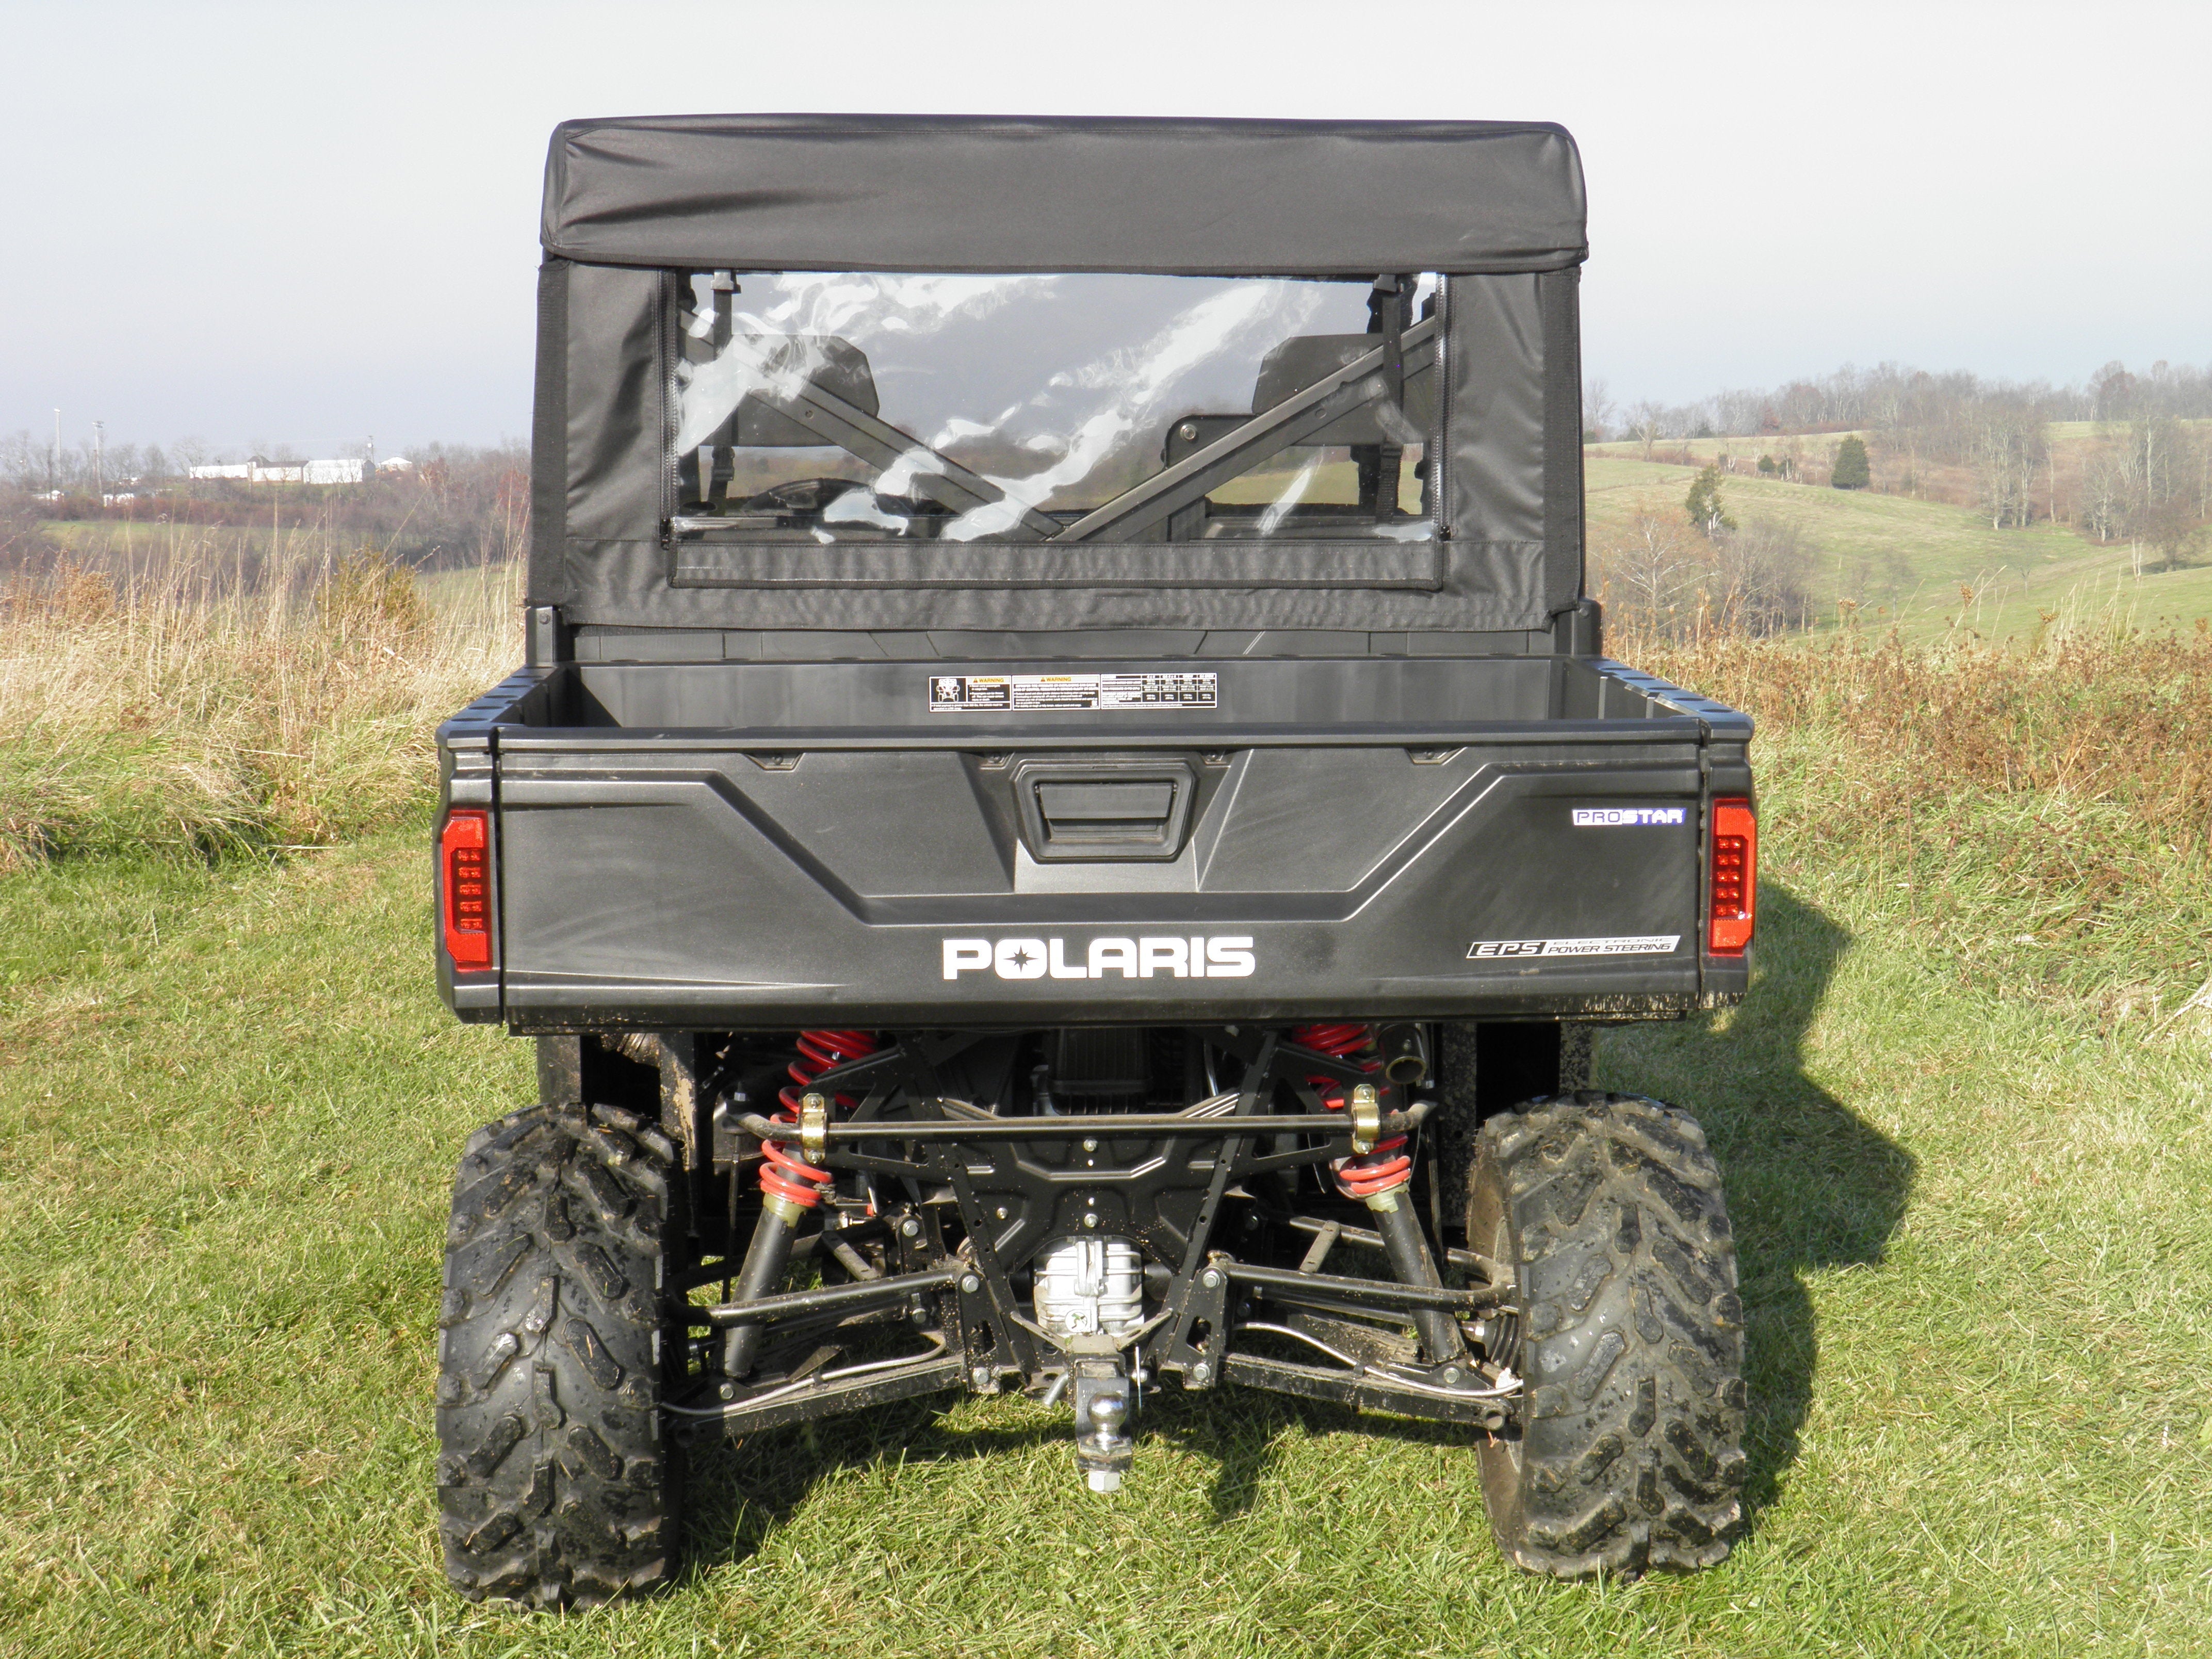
pixel 308 223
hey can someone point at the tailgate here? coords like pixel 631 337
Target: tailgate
pixel 978 866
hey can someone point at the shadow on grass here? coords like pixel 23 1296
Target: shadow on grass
pixel 1244 1429
pixel 741 1491
pixel 740 1495
pixel 1810 1186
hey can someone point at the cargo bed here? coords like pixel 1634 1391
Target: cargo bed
pixel 730 845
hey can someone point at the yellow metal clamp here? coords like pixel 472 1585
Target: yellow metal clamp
pixel 1366 1114
pixel 814 1127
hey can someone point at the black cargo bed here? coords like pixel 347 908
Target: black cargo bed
pixel 763 844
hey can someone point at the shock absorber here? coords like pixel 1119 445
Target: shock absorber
pixel 1377 1178
pixel 1389 1167
pixel 790 1186
pixel 784 1175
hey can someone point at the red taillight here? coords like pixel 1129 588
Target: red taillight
pixel 1736 876
pixel 465 854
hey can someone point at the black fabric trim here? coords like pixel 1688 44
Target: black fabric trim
pixel 619 477
pixel 1027 193
pixel 1483 586
pixel 668 351
pixel 1207 565
pixel 1494 421
pixel 1557 296
pixel 549 441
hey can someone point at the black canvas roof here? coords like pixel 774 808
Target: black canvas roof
pixel 1018 193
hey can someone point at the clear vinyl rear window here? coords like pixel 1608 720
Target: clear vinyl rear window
pixel 840 407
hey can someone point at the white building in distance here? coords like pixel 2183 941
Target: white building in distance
pixel 258 469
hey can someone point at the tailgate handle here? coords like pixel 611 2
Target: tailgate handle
pixel 1103 811
pixel 1081 807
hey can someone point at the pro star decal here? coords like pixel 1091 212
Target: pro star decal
pixel 1618 817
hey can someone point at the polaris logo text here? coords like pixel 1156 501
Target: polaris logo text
pixel 1606 816
pixel 1170 957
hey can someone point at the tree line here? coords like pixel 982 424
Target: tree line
pixel 2141 472
pixel 458 504
pixel 1892 397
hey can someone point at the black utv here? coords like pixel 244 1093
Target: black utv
pixel 1064 827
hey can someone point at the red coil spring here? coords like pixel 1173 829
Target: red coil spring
pixel 1388 1167
pixel 784 1174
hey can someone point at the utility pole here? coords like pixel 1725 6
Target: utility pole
pixel 54 456
pixel 99 458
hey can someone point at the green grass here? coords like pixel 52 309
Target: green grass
pixel 1969 1199
pixel 151 715
pixel 1905 561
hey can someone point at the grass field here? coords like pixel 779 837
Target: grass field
pixel 168 714
pixel 1964 1120
pixel 1905 561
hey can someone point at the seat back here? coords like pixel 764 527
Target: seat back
pixel 1299 361
pixel 836 364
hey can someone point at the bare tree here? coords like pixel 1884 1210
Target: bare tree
pixel 2008 449
pixel 2203 443
pixel 2171 529
pixel 1598 409
pixel 1647 424
pixel 22 460
pixel 1647 571
pixel 2102 504
pixel 1760 577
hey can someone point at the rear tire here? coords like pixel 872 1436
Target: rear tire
pixel 556 1485
pixel 1625 1450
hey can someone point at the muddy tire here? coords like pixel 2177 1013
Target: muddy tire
pixel 556 1485
pixel 1626 1452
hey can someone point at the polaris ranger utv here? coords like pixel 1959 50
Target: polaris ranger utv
pixel 1063 828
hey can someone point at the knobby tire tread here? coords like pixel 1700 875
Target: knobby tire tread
pixel 557 1486
pixel 1630 1453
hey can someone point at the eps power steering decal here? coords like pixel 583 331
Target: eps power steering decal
pixel 1635 945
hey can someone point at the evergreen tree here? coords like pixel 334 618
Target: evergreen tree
pixel 1704 503
pixel 1852 470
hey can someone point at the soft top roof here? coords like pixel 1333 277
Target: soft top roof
pixel 1020 193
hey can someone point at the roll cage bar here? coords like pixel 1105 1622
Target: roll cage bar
pixel 1380 375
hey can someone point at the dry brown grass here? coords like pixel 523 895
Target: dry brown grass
pixel 2090 715
pixel 169 709
pixel 2044 810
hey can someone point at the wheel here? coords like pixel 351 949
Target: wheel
pixel 1625 1452
pixel 557 1333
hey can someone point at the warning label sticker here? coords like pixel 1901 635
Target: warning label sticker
pixel 1034 693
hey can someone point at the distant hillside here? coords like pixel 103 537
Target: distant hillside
pixel 1926 565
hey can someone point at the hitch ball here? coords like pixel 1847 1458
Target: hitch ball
pixel 1104 1397
pixel 1103 1454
